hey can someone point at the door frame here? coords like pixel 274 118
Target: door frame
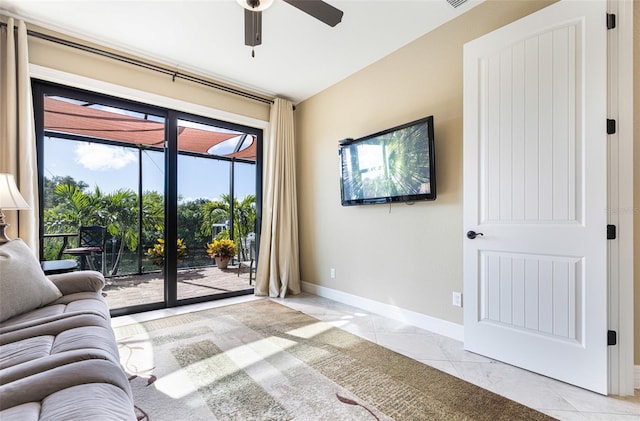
pixel 620 198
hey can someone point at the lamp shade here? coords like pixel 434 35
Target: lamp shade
pixel 255 5
pixel 10 197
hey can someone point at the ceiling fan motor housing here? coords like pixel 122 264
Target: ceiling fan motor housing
pixel 318 9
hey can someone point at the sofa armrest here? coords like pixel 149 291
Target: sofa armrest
pixel 81 281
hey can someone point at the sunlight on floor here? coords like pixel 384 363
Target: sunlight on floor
pixel 314 329
pixel 177 384
pixel 259 356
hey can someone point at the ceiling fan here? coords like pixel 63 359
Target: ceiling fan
pixel 319 9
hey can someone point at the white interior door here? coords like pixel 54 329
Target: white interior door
pixel 535 177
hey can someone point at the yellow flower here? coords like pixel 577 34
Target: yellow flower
pixel 221 248
pixel 156 254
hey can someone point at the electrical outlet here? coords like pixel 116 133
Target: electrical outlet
pixel 457 299
pixel 333 273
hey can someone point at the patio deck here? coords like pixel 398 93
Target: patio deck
pixel 130 290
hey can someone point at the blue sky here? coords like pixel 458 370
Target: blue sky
pixel 112 168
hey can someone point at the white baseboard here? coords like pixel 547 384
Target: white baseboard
pixel 422 321
pixel 636 377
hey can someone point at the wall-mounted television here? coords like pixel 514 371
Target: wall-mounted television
pixel 395 165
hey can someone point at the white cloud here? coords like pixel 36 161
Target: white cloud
pixel 98 157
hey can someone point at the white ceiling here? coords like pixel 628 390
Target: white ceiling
pixel 299 56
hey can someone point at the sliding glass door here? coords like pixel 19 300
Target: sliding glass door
pixel 149 178
pixel 206 212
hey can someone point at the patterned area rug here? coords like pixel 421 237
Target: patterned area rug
pixel 264 361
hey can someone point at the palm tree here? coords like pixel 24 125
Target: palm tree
pixel 215 212
pixel 190 216
pixel 120 209
pixel 76 207
pixel 245 216
pixel 218 212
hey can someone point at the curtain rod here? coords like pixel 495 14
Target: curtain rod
pixel 174 74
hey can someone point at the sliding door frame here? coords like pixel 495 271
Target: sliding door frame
pixel 41 88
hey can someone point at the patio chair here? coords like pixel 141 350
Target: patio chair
pixel 91 242
pixel 250 244
pixel 251 270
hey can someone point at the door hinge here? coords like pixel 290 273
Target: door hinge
pixel 611 20
pixel 611 232
pixel 612 337
pixel 611 126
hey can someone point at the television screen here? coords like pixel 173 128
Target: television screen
pixel 395 165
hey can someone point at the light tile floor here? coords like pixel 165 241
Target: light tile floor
pixel 554 398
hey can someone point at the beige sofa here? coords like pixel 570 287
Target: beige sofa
pixel 58 355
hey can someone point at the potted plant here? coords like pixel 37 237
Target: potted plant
pixel 222 251
pixel 156 253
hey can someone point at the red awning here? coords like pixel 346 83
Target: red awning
pixel 66 117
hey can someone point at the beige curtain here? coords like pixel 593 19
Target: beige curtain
pixel 17 131
pixel 279 268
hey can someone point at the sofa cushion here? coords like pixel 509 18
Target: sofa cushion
pixel 25 412
pixel 52 326
pixel 36 387
pixel 19 352
pixel 99 401
pixel 23 286
pixel 80 332
pixel 83 390
pixel 86 305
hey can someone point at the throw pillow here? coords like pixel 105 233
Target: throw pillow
pixel 23 286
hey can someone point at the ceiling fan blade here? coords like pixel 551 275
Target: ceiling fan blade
pixel 319 10
pixel 252 28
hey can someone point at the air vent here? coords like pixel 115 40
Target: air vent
pixel 456 3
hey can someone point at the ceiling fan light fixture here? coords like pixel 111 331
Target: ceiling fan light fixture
pixel 255 5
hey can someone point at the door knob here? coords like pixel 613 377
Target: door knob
pixel 472 234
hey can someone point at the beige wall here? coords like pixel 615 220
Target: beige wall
pixel 408 256
pixel 70 60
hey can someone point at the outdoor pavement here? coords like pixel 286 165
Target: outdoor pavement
pixel 131 290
